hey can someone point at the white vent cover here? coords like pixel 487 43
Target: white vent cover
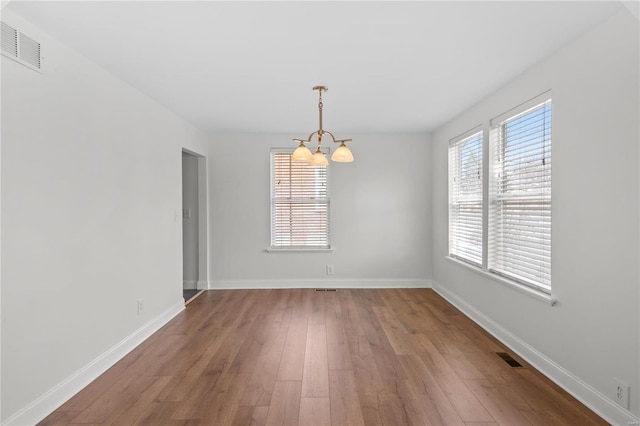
pixel 9 40
pixel 20 47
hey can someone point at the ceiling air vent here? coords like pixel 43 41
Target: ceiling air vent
pixel 9 41
pixel 29 51
pixel 20 47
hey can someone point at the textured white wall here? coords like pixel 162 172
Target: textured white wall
pixel 593 330
pixel 90 185
pixel 380 214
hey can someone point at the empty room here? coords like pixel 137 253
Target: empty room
pixel 320 213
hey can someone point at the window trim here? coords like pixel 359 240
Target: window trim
pixel 522 288
pixel 297 249
pixel 487 126
pixel 497 127
pixel 453 143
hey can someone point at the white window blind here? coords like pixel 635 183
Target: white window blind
pixel 465 198
pixel 520 196
pixel 299 203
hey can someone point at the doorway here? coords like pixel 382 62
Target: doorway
pixel 194 225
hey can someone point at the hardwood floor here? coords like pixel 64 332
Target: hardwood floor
pixel 301 357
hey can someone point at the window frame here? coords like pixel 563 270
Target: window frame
pixel 456 199
pixel 488 129
pixel 274 247
pixel 519 195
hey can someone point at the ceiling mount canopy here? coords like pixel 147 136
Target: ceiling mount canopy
pixel 341 155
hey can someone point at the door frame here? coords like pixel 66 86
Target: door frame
pixel 203 220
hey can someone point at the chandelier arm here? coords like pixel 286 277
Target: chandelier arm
pixel 330 134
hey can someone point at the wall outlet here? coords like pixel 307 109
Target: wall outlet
pixel 621 393
pixel 330 270
pixel 140 306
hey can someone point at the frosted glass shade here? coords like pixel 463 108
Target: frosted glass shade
pixel 319 159
pixel 302 153
pixel 342 154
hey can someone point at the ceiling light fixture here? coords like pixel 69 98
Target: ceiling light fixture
pixel 302 153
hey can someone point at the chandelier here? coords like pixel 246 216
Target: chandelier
pixel 302 153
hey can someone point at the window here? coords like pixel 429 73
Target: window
pixel 465 198
pixel 504 229
pixel 520 197
pixel 299 203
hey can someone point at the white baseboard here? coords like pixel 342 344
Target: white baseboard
pixel 583 392
pixel 318 283
pixel 190 284
pixel 203 285
pixel 61 393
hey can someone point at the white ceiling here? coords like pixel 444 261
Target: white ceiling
pixel 250 66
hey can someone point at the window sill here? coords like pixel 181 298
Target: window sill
pixel 536 294
pixel 299 250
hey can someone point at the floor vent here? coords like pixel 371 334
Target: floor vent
pixel 326 289
pixel 509 360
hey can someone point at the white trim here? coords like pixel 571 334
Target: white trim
pixel 63 391
pixel 520 109
pixel 299 250
pixel 190 284
pixel 319 283
pixel 583 392
pixel 522 288
pixel 464 135
pixel 203 285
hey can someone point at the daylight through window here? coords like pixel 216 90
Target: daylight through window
pixel 517 207
pixel 299 203
pixel 520 195
pixel 465 198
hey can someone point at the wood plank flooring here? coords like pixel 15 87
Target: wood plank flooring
pixel 301 357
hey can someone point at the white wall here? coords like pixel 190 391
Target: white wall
pixel 380 215
pixel 91 173
pixel 592 332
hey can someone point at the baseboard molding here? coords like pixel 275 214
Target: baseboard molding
pixel 190 284
pixel 583 392
pixel 61 393
pixel 203 285
pixel 321 283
